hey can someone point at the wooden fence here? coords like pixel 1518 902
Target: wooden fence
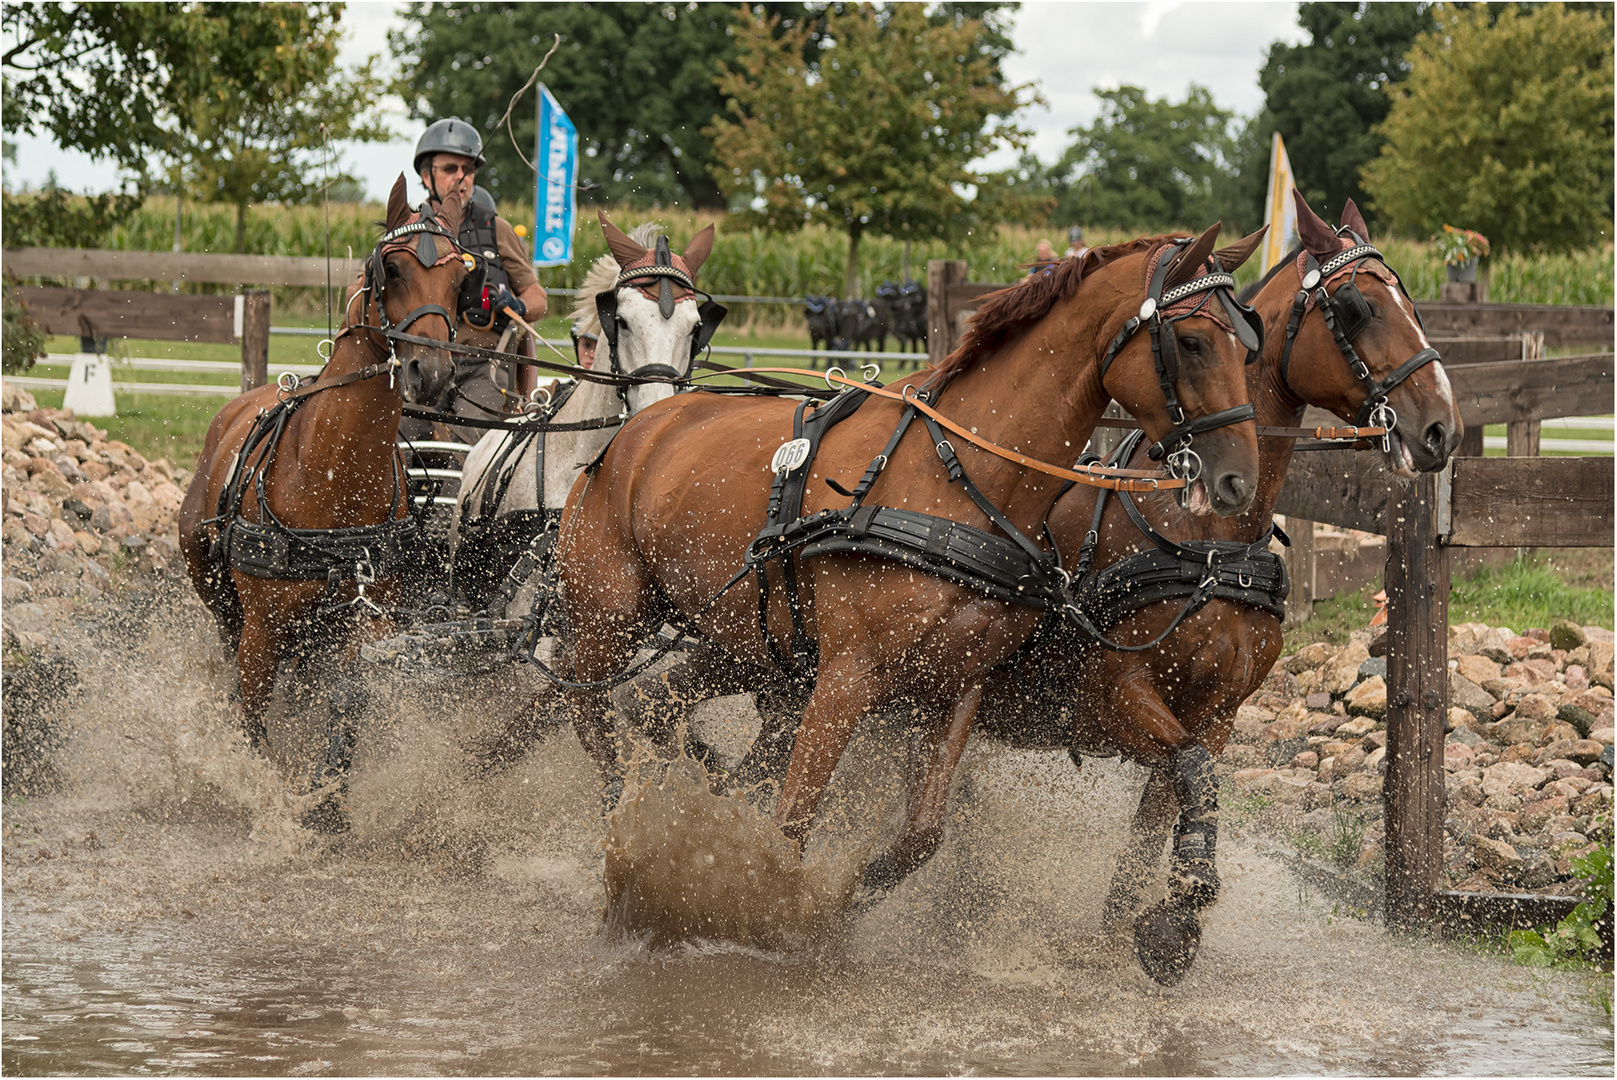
pixel 179 266
pixel 96 313
pixel 1474 502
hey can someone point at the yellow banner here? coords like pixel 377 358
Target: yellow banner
pixel 1280 212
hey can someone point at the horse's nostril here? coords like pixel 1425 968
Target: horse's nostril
pixel 1233 488
pixel 1437 437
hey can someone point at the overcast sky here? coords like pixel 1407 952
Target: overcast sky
pixel 1066 48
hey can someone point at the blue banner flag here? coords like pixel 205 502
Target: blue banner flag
pixel 556 198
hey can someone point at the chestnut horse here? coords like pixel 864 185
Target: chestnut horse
pixel 654 533
pixel 1171 707
pixel 283 527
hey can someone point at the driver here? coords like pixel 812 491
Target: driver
pixel 447 158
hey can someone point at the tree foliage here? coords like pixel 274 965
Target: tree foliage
pixel 232 96
pixel 95 77
pixel 636 79
pixel 874 134
pixel 1326 96
pixel 1503 128
pixel 252 125
pixel 1147 164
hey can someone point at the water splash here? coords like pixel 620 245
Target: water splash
pixel 683 863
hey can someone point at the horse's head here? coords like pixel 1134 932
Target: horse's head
pixel 412 280
pixel 1184 379
pixel 1359 349
pixel 653 321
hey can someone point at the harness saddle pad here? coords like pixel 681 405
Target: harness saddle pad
pixel 309 555
pixel 1148 577
pixel 948 549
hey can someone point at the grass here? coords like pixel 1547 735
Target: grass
pixel 1527 593
pixel 1532 591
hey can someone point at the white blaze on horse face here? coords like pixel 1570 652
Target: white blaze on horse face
pixel 1445 389
pixel 648 338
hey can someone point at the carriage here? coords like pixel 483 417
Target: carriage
pixel 843 546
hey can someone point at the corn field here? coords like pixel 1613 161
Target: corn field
pixel 750 262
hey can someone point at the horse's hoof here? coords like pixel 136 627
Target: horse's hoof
pixel 1166 938
pixel 611 792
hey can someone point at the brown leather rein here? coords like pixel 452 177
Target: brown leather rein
pixel 1132 480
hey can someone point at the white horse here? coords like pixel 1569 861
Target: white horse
pixel 515 484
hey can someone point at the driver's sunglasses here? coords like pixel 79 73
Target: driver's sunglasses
pixel 455 169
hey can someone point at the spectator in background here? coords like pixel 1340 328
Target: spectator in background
pixel 1075 242
pixel 1043 258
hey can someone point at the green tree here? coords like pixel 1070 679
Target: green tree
pixel 262 95
pixel 1326 96
pixel 232 96
pixel 636 79
pixel 95 77
pixel 874 134
pixel 1506 129
pixel 1146 164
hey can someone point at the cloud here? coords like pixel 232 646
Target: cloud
pixel 1069 49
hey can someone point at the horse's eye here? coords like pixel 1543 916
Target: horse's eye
pixel 392 267
pixel 1191 345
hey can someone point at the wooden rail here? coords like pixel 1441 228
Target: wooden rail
pixel 96 313
pixel 181 266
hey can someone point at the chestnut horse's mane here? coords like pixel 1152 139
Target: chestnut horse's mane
pixel 1009 310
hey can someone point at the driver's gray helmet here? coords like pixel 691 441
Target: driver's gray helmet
pixel 451 136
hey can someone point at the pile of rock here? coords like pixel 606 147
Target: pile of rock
pixel 1527 761
pixel 77 507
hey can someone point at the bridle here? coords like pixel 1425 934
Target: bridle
pixel 1160 310
pixel 666 274
pixel 424 229
pixel 1346 314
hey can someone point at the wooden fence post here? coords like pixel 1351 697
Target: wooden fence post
pixel 1417 581
pixel 255 324
pixel 1522 438
pixel 1300 567
pixel 940 329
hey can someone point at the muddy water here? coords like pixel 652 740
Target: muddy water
pixel 165 913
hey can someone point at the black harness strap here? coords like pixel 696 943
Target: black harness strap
pixel 1200 570
pixel 1345 315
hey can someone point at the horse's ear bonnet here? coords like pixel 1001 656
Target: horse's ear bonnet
pixel 1319 239
pixel 1248 324
pixel 1353 222
pixel 398 205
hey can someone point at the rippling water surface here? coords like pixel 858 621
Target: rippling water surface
pixel 164 913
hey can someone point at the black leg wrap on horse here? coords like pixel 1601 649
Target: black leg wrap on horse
pixel 1194 876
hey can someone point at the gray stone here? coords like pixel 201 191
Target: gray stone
pixel 1467 695
pixel 1495 855
pixel 1565 634
pixel 15 590
pixel 1375 667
